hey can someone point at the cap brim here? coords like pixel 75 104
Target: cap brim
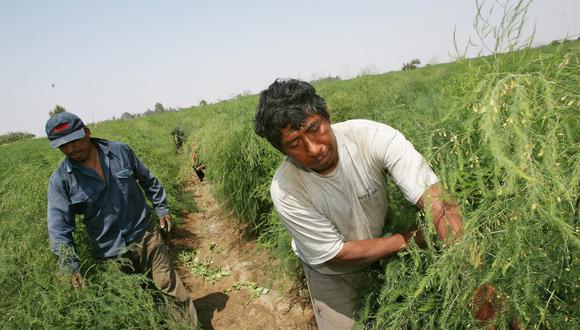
pixel 78 134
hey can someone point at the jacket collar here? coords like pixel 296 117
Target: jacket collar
pixel 102 144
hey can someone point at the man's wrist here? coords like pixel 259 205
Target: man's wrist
pixel 162 212
pixel 398 242
pixel 404 239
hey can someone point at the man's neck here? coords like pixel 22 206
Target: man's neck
pixel 93 161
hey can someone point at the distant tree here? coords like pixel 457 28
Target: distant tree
pixel 411 65
pixel 14 136
pixel 159 107
pixel 202 103
pixel 58 109
pixel 127 115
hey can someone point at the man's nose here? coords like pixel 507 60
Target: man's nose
pixel 66 148
pixel 313 149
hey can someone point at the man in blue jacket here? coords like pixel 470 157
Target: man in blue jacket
pixel 104 181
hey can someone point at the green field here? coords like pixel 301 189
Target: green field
pixel 503 134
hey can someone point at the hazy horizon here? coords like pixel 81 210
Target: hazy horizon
pixel 102 59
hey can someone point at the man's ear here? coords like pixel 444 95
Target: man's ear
pixel 87 131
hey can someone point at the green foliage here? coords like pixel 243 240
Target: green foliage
pixel 202 269
pixel 159 107
pixel 411 65
pixel 15 136
pixel 226 141
pixel 57 109
pixel 127 115
pixel 33 295
pixel 502 135
pixel 254 288
pixel 509 154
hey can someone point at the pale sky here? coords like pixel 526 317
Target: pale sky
pixel 99 59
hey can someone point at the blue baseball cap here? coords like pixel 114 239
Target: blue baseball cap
pixel 64 128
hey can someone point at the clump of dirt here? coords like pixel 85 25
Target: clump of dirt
pixel 236 286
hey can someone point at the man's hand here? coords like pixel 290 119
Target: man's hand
pixel 444 212
pixel 165 223
pixel 417 235
pixel 77 281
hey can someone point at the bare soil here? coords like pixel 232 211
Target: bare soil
pixel 213 232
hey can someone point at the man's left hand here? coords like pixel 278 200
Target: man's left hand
pixel 165 223
pixel 444 212
pixel 417 235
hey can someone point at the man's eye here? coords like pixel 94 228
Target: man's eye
pixel 292 145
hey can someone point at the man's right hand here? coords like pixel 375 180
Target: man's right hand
pixel 165 223
pixel 77 281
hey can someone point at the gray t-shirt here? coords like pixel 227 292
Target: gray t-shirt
pixel 321 212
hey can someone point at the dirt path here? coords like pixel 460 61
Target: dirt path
pixel 236 286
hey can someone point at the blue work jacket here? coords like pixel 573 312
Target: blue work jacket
pixel 114 209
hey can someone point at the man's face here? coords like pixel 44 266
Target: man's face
pixel 313 146
pixel 78 150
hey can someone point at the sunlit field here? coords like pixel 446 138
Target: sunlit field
pixel 502 132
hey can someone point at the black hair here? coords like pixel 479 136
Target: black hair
pixel 286 102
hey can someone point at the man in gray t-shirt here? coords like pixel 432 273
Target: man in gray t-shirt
pixel 330 193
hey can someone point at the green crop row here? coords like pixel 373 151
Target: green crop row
pixel 509 152
pixel 502 133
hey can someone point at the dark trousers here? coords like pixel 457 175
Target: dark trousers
pixel 150 255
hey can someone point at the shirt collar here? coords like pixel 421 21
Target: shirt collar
pixel 102 144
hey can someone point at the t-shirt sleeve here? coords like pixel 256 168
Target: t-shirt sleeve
pixel 407 166
pixel 315 237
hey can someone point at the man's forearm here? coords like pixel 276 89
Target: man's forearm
pixel 368 251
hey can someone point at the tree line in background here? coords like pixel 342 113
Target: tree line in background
pixel 16 136
pixel 158 108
